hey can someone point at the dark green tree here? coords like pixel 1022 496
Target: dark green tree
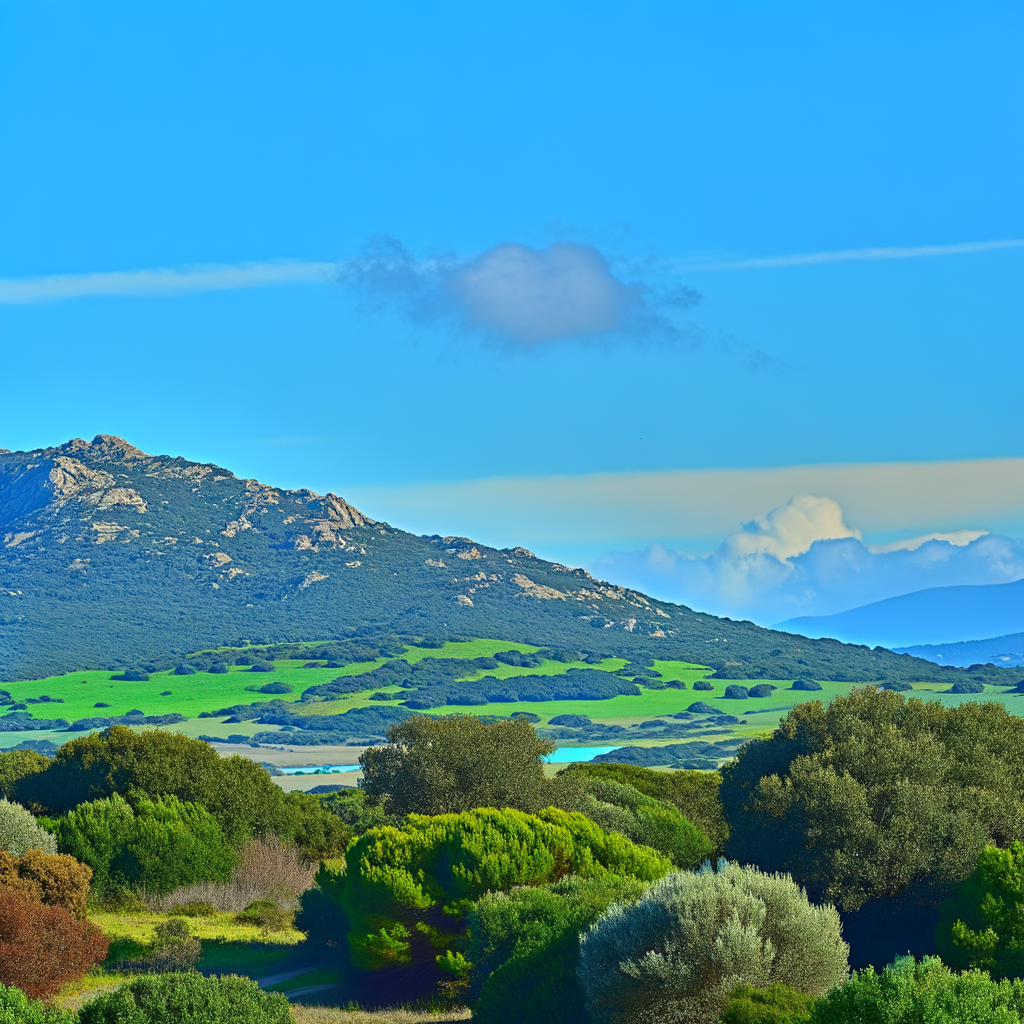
pixel 875 792
pixel 455 763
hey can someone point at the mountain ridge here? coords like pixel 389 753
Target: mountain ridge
pixel 935 615
pixel 112 557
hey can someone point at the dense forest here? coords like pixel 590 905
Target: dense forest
pixel 112 558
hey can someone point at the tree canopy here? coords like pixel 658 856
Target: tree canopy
pixel 875 792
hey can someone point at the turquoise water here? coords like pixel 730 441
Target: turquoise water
pixel 567 755
pixel 323 769
pixel 564 755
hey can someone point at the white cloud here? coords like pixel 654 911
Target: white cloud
pixel 537 295
pixel 791 529
pixel 809 259
pixel 802 559
pixel 958 538
pixel 163 281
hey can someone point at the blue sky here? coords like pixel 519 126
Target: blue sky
pixel 572 194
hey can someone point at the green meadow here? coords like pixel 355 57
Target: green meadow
pixel 190 695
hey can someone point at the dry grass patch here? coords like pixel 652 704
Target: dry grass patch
pixel 336 1015
pixel 141 928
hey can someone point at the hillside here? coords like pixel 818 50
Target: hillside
pixel 999 650
pixel 938 615
pixel 115 558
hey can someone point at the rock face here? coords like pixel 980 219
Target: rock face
pixel 110 556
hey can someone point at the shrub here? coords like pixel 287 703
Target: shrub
pixel 218 668
pixel 695 793
pixel 698 707
pixel 267 869
pixel 400 884
pixel 262 666
pixel 524 947
pixel 680 950
pixel 908 993
pixel 703 684
pixel 777 1004
pixel 619 807
pixel 15 765
pixel 187 999
pixel 266 914
pixel 239 793
pixel 184 670
pixel 158 844
pixel 967 686
pixel 805 684
pixel 571 721
pixel 133 675
pixel 275 688
pixel 17 1008
pixel 896 687
pixel 356 811
pixel 19 831
pixel 736 692
pixel 761 690
pixel 42 947
pixel 193 908
pixel 455 763
pixel 873 792
pixel 983 923
pixel 54 879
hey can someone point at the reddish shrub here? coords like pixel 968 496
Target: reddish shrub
pixel 52 878
pixel 42 947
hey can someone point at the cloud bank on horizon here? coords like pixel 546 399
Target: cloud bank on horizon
pixel 803 559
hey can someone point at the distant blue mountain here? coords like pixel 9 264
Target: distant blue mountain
pixel 1007 651
pixel 939 615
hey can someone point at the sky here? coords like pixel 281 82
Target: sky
pixel 609 280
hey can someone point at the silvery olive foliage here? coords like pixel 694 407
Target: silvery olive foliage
pixel 674 956
pixel 20 833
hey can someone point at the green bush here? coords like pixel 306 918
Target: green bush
pixel 406 890
pixel 157 844
pixel 15 765
pixel 19 831
pixel 17 1008
pixel 982 923
pixel 188 999
pixel 239 793
pixel 874 792
pixel 193 909
pixel 524 947
pixel 777 1004
pixel 266 914
pixel 356 811
pixel 678 952
pixel 694 793
pixel 619 807
pixel 922 993
pixel 455 763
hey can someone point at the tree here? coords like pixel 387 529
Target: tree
pixel 928 992
pixel 455 763
pixel 677 953
pixel 239 793
pixel 875 792
pixel 15 765
pixel 992 900
pixel 54 879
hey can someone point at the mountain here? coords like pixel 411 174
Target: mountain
pixel 939 615
pixel 1006 651
pixel 114 558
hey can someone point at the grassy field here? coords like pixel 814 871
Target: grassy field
pixel 141 927
pixel 189 695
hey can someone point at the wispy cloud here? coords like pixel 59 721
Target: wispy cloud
pixel 810 259
pixel 163 281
